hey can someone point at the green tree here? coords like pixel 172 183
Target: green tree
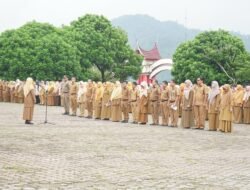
pixel 37 50
pixel 214 55
pixel 103 46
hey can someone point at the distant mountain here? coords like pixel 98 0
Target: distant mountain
pixel 169 34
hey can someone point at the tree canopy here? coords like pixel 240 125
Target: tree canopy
pixel 213 55
pixel 38 51
pixel 105 47
pixel 89 44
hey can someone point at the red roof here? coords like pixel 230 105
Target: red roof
pixel 152 55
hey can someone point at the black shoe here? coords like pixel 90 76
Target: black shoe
pixel 28 123
pixel 142 123
pixel 65 113
pixel 153 124
pixel 124 121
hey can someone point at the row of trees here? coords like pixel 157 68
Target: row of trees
pixel 213 55
pixel 89 47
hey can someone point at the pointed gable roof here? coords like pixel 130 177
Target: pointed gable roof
pixel 150 55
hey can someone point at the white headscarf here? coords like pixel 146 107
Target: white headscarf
pixel 29 85
pixel 144 90
pixel 187 89
pixel 247 94
pixel 82 89
pixel 215 90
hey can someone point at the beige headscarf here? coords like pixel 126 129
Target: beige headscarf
pixel 117 91
pixel 247 94
pixel 29 85
pixel 187 88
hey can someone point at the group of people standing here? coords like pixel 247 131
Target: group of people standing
pixel 114 101
pixel 168 101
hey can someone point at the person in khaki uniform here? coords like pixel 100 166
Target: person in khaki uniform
pixel 42 93
pixel 173 103
pixel 133 100
pixel 116 112
pixel 89 98
pixel 29 101
pixel 246 106
pixel 73 96
pixel 5 91
pixel 199 103
pixel 187 119
pixel 124 103
pixel 214 106
pixel 154 102
pixel 81 98
pixel 143 104
pixel 237 104
pixel 20 93
pixel 164 104
pixel 106 106
pixel 65 92
pixel 226 110
pixel 16 90
pixel 182 86
pixel 12 92
pixel 98 100
pixel 8 92
pixel 50 95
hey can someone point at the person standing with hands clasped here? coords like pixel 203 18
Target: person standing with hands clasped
pixel 29 101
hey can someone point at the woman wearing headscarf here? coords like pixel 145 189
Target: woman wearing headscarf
pixel 81 98
pixel 50 95
pixel 20 93
pixel 98 100
pixel 29 100
pixel 42 93
pixel 226 109
pixel 182 86
pixel 106 107
pixel 116 112
pixel 237 104
pixel 187 120
pixel 12 91
pixel 246 106
pixel 143 104
pixel 214 106
pixel 16 90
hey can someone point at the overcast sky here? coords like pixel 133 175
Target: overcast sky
pixel 201 14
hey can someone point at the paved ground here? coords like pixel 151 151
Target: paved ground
pixel 87 154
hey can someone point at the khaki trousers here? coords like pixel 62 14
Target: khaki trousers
pixel 199 116
pixel 66 102
pixel 155 112
pixel 134 109
pixel 124 107
pixel 164 112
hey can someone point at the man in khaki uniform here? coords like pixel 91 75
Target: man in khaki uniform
pixel 73 96
pixel 199 103
pixel 154 102
pixel 164 104
pixel 89 98
pixel 133 100
pixel 65 92
pixel 124 103
pixel 173 101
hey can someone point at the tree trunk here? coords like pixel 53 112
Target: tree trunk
pixel 102 75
